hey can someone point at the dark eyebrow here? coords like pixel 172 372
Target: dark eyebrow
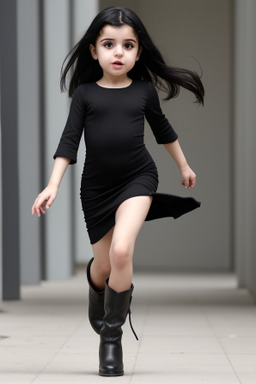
pixel 114 39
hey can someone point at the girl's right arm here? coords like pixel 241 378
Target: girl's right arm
pixel 48 195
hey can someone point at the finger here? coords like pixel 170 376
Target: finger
pixel 191 184
pixel 39 206
pixel 34 209
pixel 41 202
pixel 49 202
pixel 34 205
pixel 40 209
pixel 38 213
pixel 186 183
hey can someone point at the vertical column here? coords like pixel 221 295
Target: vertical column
pixel 28 138
pixel 9 120
pixel 58 218
pixel 83 14
pixel 245 138
pixel 1 206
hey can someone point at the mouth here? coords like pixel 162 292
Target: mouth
pixel 118 64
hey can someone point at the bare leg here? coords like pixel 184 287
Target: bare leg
pixel 100 268
pixel 130 217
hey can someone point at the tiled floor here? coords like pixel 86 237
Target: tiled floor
pixel 192 329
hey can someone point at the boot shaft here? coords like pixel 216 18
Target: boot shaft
pixel 116 306
pixel 95 304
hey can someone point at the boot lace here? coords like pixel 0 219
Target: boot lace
pixel 130 320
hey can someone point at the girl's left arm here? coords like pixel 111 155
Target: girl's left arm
pixel 188 176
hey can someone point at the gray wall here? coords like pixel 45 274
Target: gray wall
pixel 9 123
pixel 58 219
pixel 244 144
pixel 66 235
pixel 29 137
pixel 200 240
pixel 40 34
pixel 1 224
pixel 84 12
pixel 184 30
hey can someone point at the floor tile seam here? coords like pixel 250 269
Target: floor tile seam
pixel 49 361
pixel 57 351
pixel 222 347
pixel 72 333
pixel 207 318
pixel 44 367
pixel 229 360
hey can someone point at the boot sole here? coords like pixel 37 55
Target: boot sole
pixel 109 374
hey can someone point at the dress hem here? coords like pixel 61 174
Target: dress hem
pixel 163 205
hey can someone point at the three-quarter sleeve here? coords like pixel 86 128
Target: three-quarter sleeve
pixel 162 129
pixel 71 136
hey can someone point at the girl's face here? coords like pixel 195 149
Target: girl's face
pixel 117 50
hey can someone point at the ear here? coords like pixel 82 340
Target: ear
pixel 139 53
pixel 93 51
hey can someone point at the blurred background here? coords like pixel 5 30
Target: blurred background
pixel 214 38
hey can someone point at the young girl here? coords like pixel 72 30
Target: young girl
pixel 115 65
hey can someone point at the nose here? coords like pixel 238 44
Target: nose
pixel 119 50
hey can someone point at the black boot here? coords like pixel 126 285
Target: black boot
pixel 117 306
pixel 96 303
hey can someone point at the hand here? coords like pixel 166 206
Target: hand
pixel 189 177
pixel 44 200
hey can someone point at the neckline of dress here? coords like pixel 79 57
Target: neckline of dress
pixel 112 88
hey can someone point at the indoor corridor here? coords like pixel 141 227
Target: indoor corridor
pixel 192 328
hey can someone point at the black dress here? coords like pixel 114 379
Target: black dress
pixel 117 164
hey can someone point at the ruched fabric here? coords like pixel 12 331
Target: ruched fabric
pixel 117 165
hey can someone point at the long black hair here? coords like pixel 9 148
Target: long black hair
pixel 151 65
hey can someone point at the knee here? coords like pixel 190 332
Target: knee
pixel 120 255
pixel 104 268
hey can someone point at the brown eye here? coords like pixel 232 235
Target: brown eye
pixel 108 45
pixel 128 46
